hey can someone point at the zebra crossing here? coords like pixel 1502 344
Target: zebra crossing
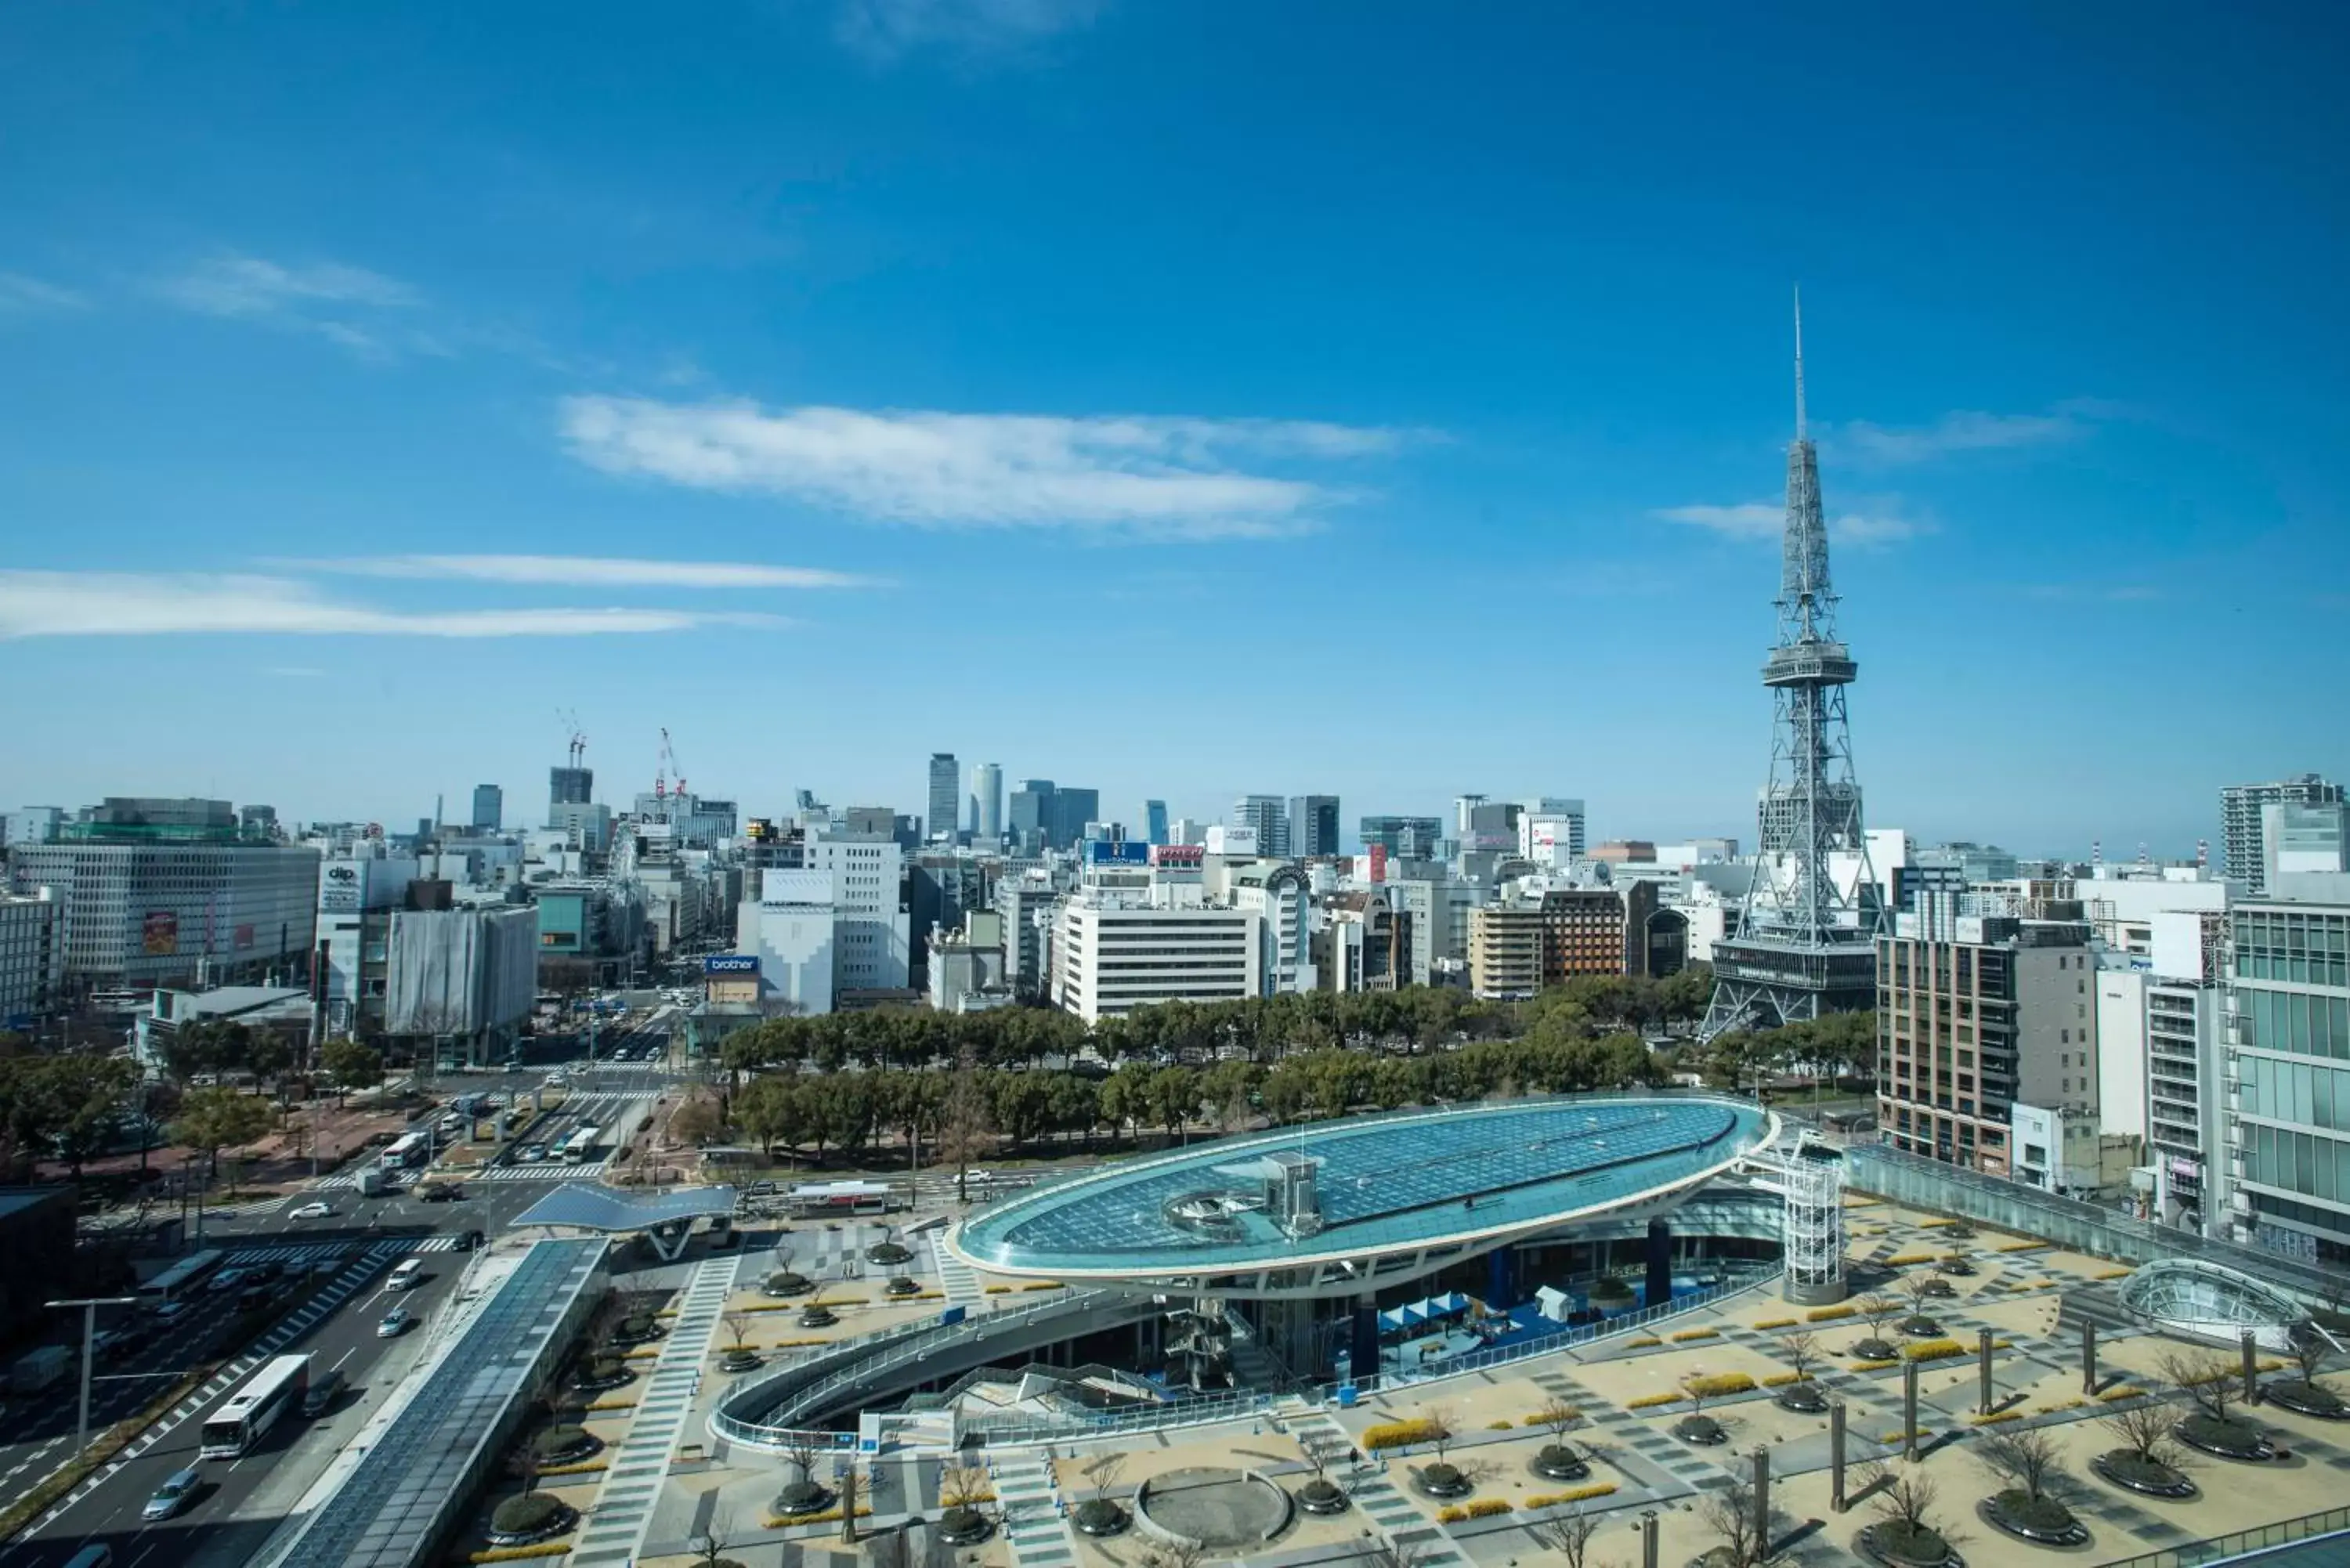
pixel 313 1255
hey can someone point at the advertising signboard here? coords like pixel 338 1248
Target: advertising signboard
pixel 159 933
pixel 341 888
pixel 1190 855
pixel 731 964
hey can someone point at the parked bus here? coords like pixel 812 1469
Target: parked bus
pixel 818 1199
pixel 182 1277
pixel 409 1148
pixel 578 1146
pixel 253 1409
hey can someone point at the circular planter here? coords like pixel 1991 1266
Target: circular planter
pixel 817 1317
pixel 1556 1461
pixel 1099 1517
pixel 800 1498
pixel 527 1521
pixel 2144 1477
pixel 598 1376
pixel 1703 1431
pixel 1895 1547
pixel 962 1526
pixel 739 1361
pixel 561 1445
pixel 783 1282
pixel 1441 1481
pixel 1802 1398
pixel 636 1330
pixel 1940 1290
pixel 889 1253
pixel 2307 1399
pixel 1919 1326
pixel 2229 1439
pixel 1319 1496
pixel 1960 1233
pixel 901 1286
pixel 1876 1350
pixel 2042 1522
pixel 1959 1268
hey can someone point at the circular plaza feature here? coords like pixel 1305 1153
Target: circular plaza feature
pixel 1299 1212
pixel 1222 1510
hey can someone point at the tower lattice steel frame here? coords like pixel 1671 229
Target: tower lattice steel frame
pixel 1805 946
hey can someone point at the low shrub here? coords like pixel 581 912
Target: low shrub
pixel 1873 1365
pixel 1686 1334
pixel 1996 1417
pixel 1649 1401
pixel 2115 1273
pixel 1903 1259
pixel 1934 1224
pixel 1891 1437
pixel 2025 1244
pixel 1503 1425
pixel 1398 1435
pixel 1642 1341
pixel 1828 1314
pixel 1486 1507
pixel 607 1406
pixel 584 1468
pixel 1046 1285
pixel 999 1289
pixel 1451 1514
pixel 1721 1384
pixel 520 1554
pixel 1771 1323
pixel 1572 1412
pixel 1574 1494
pixel 2060 1405
pixel 828 1516
pixel 1933 1350
pixel 2124 1392
pixel 1783 1379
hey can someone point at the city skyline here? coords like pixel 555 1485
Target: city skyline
pixel 435 429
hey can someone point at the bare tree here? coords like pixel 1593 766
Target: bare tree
pixel 1105 1469
pixel 710 1546
pixel 800 1452
pixel 2146 1429
pixel 1175 1555
pixel 2312 1351
pixel 1876 1309
pixel 1556 1416
pixel 1385 1553
pixel 523 1465
pixel 2028 1461
pixel 1693 1390
pixel 1904 1497
pixel 2207 1380
pixel 1740 1540
pixel 1441 1426
pixel 965 1486
pixel 738 1326
pixel 1569 1534
pixel 1803 1353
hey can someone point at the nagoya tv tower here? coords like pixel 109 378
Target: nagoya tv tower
pixel 1805 946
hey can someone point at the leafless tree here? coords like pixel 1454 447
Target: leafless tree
pixel 523 1465
pixel 2208 1381
pixel 1917 1291
pixel 963 1486
pixel 1904 1497
pixel 710 1546
pixel 1803 1353
pixel 1569 1534
pixel 800 1451
pixel 1728 1512
pixel 1442 1427
pixel 1876 1309
pixel 1105 1469
pixel 2312 1352
pixel 2146 1429
pixel 1556 1416
pixel 1175 1555
pixel 1385 1553
pixel 1692 1386
pixel 2028 1461
pixel 738 1326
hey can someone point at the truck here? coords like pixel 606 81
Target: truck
pixel 374 1182
pixel 36 1369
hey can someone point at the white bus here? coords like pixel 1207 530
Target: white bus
pixel 182 1277
pixel 816 1199
pixel 409 1148
pixel 578 1146
pixel 253 1409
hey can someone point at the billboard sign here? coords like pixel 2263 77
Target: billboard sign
pixel 731 964
pixel 341 888
pixel 243 939
pixel 1193 856
pixel 1127 852
pixel 159 933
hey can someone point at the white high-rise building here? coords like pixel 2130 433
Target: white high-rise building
pixel 792 927
pixel 2241 838
pixel 874 940
pixel 1114 952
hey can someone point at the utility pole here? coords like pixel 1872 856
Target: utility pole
pixel 89 1305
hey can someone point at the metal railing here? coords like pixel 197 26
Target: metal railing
pixel 2219 1548
pixel 1010 1429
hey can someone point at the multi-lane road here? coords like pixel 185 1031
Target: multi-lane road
pixel 333 1294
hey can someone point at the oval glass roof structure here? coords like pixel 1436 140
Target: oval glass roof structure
pixel 2208 1301
pixel 1363 1188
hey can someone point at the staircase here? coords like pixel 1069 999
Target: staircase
pixel 1034 1527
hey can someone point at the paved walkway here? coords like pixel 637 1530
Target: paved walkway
pixel 1034 1528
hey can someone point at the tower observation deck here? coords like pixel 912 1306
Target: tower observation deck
pixel 1805 945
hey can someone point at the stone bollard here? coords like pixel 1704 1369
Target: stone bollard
pixel 1983 1349
pixel 2088 1359
pixel 1835 1457
pixel 1909 1410
pixel 2252 1369
pixel 1763 1499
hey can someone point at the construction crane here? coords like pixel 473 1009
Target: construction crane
pixel 668 765
pixel 569 719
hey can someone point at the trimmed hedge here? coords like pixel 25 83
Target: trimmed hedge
pixel 1828 1314
pixel 519 1553
pixel 1686 1334
pixel 1574 1494
pixel 1649 1401
pixel 1933 1350
pixel 1995 1417
pixel 1398 1435
pixel 1772 1323
pixel 1781 1379
pixel 1721 1384
pixel 1642 1341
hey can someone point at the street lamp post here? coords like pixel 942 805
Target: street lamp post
pixel 89 1305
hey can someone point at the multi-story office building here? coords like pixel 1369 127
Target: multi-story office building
pixel 1362 942
pixel 946 796
pixel 1970 1027
pixel 2289 1069
pixel 1030 904
pixel 1154 821
pixel 2241 836
pixel 987 804
pixel 489 808
pixel 1277 895
pixel 568 787
pixel 1506 951
pixel 2185 1111
pixel 1116 952
pixel 32 824
pixel 1403 837
pixel 174 904
pixel 1584 931
pixel 792 927
pixel 1312 825
pixel 1550 829
pixel 2299 840
pixel 32 960
pixel 874 937
pixel 1264 814
pixel 1045 815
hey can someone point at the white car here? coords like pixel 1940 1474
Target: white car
pixel 313 1212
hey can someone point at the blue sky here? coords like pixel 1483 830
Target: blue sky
pixel 1181 400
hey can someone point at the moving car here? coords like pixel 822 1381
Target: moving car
pixel 322 1393
pixel 174 1310
pixel 178 1490
pixel 395 1323
pixel 410 1274
pixel 224 1281
pixel 313 1212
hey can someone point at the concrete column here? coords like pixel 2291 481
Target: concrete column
pixel 1983 1351
pixel 1763 1499
pixel 1501 1279
pixel 1909 1410
pixel 1365 1346
pixel 2252 1369
pixel 1648 1539
pixel 1835 1457
pixel 2088 1359
pixel 1659 1283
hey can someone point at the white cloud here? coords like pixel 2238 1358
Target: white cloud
pixel 249 286
pixel 882 30
pixel 127 604
pixel 589 571
pixel 1767 520
pixel 1173 477
pixel 1964 431
pixel 22 295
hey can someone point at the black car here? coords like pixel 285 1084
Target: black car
pixel 322 1395
pixel 469 1240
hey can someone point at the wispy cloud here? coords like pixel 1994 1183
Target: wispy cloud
pixel 1140 474
pixel 1767 520
pixel 1964 431
pixel 589 571
pixel 20 294
pixel 883 30
pixel 355 309
pixel 126 603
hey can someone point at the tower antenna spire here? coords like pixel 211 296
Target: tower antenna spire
pixel 1799 362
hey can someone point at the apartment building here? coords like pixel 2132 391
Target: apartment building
pixel 2288 1055
pixel 1117 949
